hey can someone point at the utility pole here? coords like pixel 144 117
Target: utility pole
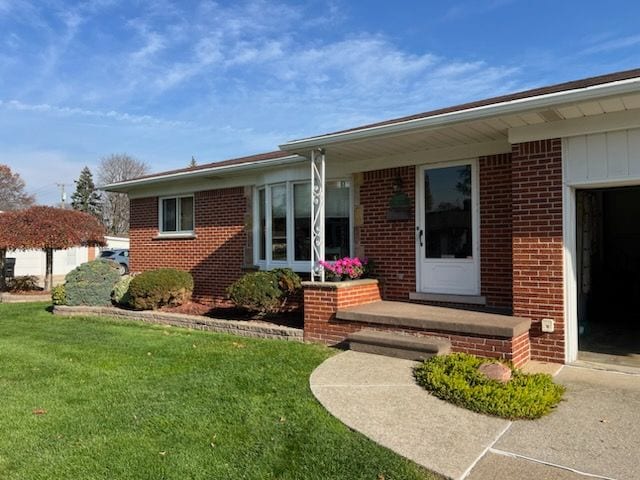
pixel 63 194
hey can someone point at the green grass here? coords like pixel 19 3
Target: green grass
pixel 134 401
pixel 456 379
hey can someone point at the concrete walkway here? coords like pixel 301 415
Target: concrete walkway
pixel 595 433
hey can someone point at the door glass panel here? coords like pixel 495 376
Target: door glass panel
pixel 279 222
pixel 448 232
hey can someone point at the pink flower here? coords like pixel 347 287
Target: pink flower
pixel 351 268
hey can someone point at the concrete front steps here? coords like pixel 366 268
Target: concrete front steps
pixel 397 345
pixel 409 330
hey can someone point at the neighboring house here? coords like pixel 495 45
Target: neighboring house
pixel 33 262
pixel 512 204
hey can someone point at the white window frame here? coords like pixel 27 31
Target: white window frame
pixel 177 232
pixel 297 265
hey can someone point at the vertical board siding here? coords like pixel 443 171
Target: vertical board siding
pixel 603 156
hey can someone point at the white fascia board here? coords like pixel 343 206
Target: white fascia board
pixel 213 170
pixel 621 87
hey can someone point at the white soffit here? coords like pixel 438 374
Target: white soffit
pixel 574 120
pixel 606 114
pixel 524 111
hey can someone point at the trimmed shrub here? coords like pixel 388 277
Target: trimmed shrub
pixel 120 294
pixel 156 288
pixel 256 292
pixel 264 292
pixel 456 379
pixel 92 283
pixel 288 281
pixel 58 295
pixel 25 283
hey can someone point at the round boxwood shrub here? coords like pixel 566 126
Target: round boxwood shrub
pixel 58 295
pixel 120 294
pixel 91 283
pixel 156 288
pixel 288 281
pixel 264 292
pixel 456 379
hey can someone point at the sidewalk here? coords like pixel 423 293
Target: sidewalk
pixel 594 433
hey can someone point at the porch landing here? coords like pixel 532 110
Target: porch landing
pixel 334 312
pixel 426 317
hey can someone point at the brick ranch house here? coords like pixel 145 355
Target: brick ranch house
pixel 525 205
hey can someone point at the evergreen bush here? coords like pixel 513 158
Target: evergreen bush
pixel 120 294
pixel 156 288
pixel 91 283
pixel 264 292
pixel 456 379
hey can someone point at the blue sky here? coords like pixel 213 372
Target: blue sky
pixel 163 81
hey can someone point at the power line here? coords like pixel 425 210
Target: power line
pixel 42 188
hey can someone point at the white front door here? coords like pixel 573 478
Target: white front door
pixel 447 228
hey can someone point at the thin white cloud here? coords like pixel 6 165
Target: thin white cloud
pixel 613 44
pixel 465 9
pixel 154 43
pixel 72 111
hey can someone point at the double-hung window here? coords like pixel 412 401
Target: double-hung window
pixel 283 224
pixel 176 215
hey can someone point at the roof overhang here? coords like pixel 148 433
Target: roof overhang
pixel 523 105
pixel 203 173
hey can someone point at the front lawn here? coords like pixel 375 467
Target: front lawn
pixel 86 398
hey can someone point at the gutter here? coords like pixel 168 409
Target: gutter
pixel 477 113
pixel 204 172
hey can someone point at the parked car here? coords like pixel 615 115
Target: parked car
pixel 118 255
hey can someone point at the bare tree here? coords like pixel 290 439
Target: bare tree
pixel 12 194
pixel 115 208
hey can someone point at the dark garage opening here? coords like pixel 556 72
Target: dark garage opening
pixel 608 268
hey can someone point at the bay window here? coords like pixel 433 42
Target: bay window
pixel 283 228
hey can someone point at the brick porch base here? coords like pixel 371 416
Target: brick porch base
pixel 323 300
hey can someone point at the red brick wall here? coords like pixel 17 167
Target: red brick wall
pixel 215 257
pixel 321 302
pixel 538 285
pixel 495 230
pixel 391 244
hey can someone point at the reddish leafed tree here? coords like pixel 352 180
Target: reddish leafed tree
pixel 48 229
